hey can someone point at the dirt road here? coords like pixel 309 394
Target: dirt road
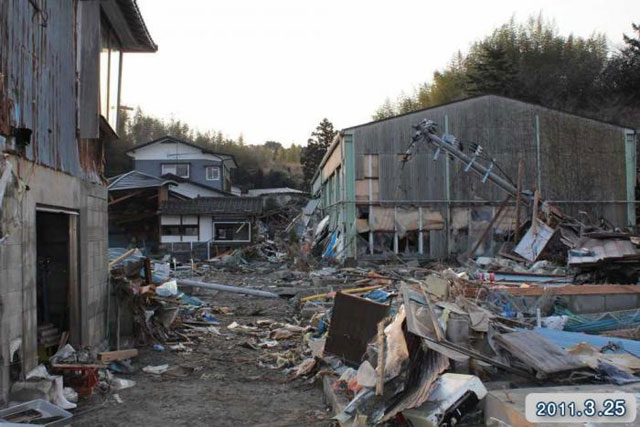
pixel 227 388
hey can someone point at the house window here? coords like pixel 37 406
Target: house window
pixel 232 231
pixel 190 230
pixel 171 230
pixel 177 169
pixel 213 173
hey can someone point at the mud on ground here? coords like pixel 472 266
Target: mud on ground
pixel 228 388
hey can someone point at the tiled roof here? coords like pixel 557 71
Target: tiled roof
pixel 213 205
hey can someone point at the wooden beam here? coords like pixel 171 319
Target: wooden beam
pixel 110 356
pixel 121 257
pixel 485 233
pixel 519 198
pixel 380 367
pixel 128 196
pixel 534 215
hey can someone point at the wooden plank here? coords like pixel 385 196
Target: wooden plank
pixel 488 228
pixel 381 362
pixel 126 197
pixel 121 257
pixel 109 356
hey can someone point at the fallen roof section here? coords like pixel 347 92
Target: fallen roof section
pixel 278 190
pixel 136 179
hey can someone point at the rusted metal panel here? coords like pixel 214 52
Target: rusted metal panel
pixel 38 52
pixel 89 85
pixel 353 323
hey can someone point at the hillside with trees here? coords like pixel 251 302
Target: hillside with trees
pixel 532 62
pixel 259 166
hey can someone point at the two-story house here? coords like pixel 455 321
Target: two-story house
pixel 195 214
pixel 61 64
pixel 192 165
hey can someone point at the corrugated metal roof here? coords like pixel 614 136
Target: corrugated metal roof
pixel 190 190
pixel 278 190
pixel 135 179
pixel 138 27
pixel 213 205
pixel 167 138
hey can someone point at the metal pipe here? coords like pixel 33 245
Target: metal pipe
pixel 226 288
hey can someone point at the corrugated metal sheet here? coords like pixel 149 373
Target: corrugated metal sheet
pixel 574 151
pixel 280 190
pixel 604 250
pixel 213 205
pixel 134 179
pixel 38 60
pixel 538 352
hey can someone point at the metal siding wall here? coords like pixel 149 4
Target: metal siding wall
pixel 40 75
pixel 196 170
pixel 581 159
pixel 89 39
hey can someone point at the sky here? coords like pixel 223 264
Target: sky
pixel 272 70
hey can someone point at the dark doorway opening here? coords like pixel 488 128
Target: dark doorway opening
pixel 55 279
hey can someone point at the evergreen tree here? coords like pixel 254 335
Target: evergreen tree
pixel 492 72
pixel 317 146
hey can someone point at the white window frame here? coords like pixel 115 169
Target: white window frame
pixel 246 223
pixel 174 166
pixel 215 169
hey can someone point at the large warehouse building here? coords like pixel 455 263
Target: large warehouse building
pixel 432 208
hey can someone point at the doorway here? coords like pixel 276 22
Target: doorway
pixel 56 279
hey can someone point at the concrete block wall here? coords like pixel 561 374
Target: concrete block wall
pixel 18 264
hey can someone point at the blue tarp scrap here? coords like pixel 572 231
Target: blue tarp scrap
pixel 566 339
pixel 378 295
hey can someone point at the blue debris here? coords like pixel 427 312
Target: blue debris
pixel 566 339
pixel 378 295
pixel 209 318
pixel 188 299
pixel 121 367
pixel 158 347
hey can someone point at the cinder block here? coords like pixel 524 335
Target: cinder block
pixel 10 279
pixel 10 256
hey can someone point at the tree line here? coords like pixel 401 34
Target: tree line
pixel 532 62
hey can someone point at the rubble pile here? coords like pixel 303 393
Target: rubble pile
pixel 402 350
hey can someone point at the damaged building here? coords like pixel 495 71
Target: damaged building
pixel 60 80
pixel 433 206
